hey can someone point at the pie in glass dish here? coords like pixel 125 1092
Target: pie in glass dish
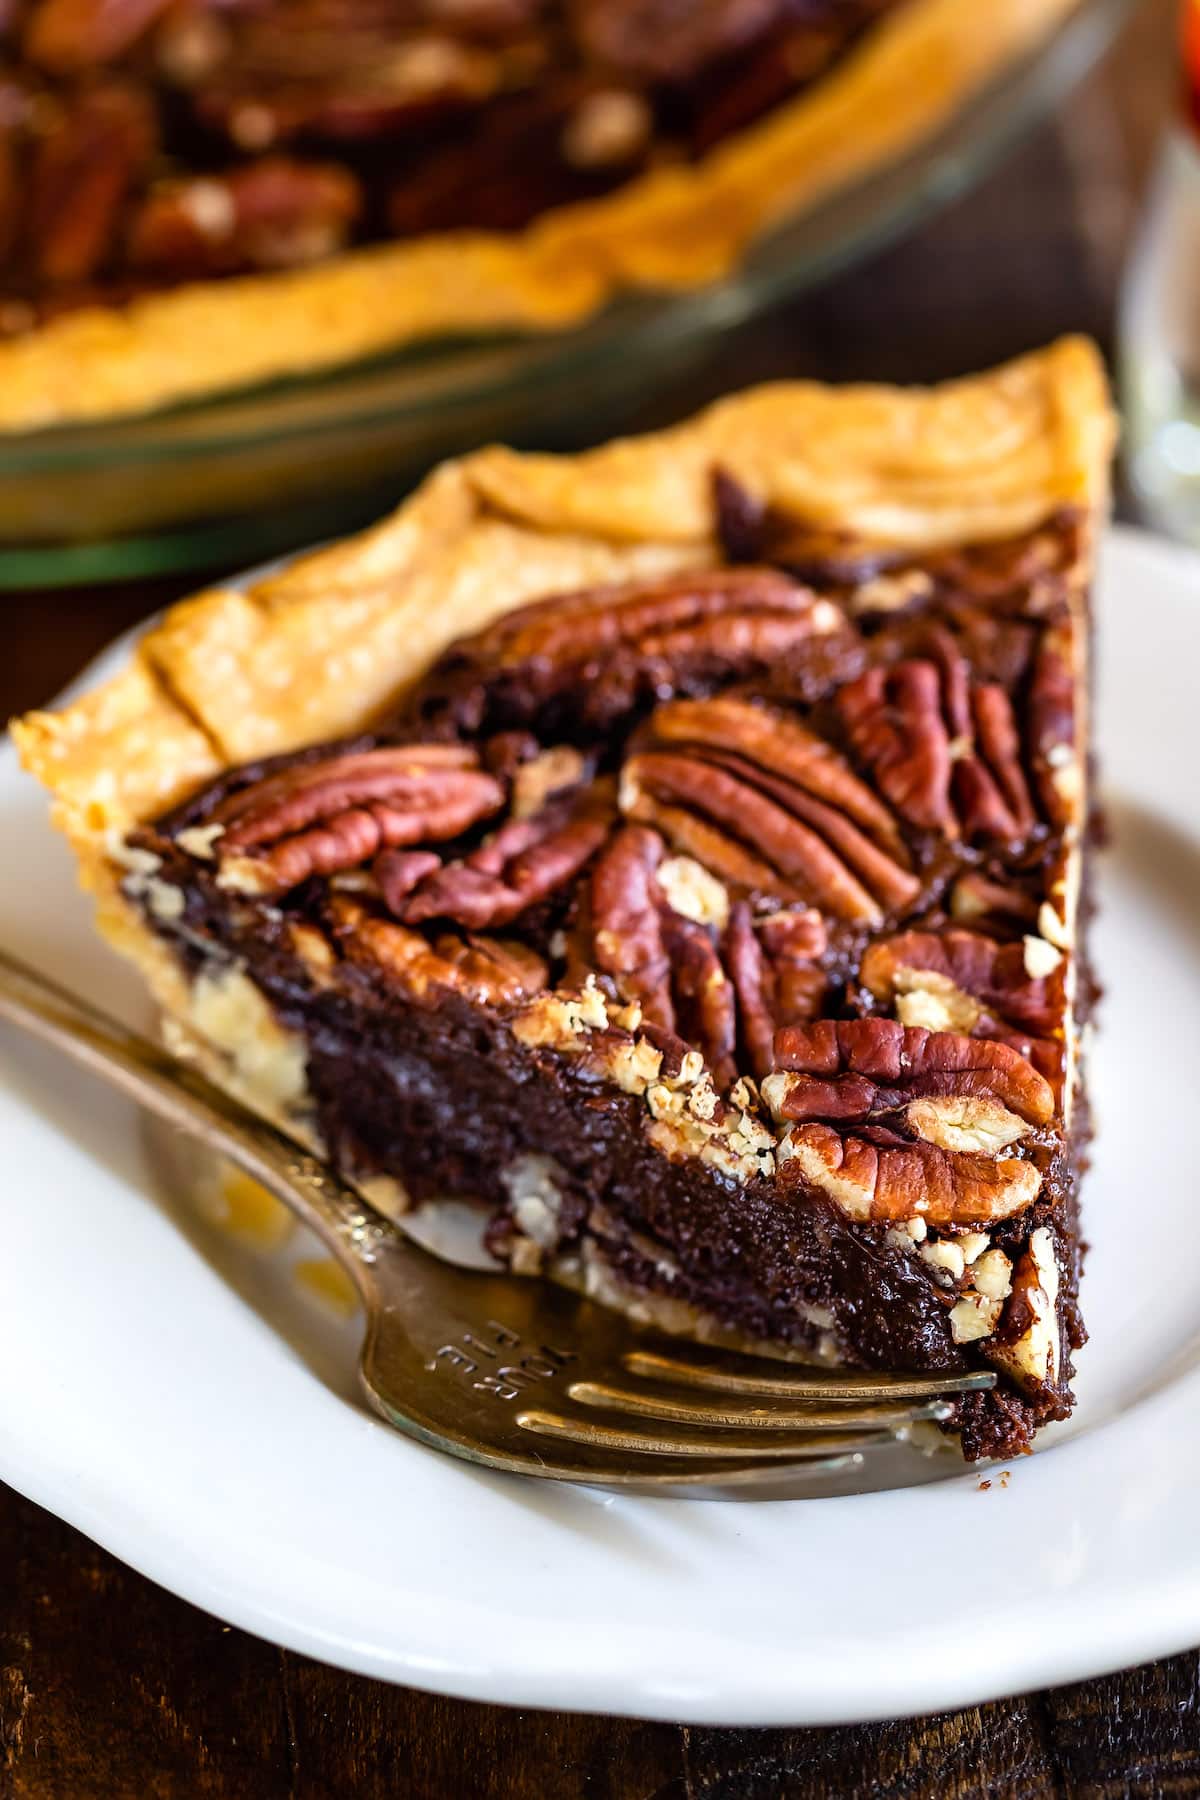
pixel 678 850
pixel 202 195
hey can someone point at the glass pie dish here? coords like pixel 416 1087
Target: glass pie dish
pixel 249 473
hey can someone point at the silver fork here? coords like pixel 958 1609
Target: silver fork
pixel 516 1374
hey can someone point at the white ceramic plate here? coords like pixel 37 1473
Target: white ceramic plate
pixel 146 1399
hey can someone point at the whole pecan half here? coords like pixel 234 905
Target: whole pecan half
pixel 322 817
pixel 485 970
pixel 898 1181
pixel 85 164
pixel 774 965
pixel 892 1122
pixel 339 72
pixel 769 807
pixel 703 997
pixel 521 864
pixel 864 1069
pixel 580 663
pixel 625 938
pixel 945 749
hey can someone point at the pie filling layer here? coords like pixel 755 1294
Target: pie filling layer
pixel 721 937
pixel 145 143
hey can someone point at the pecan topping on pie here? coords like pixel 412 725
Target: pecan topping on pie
pixel 317 818
pixel 962 981
pixel 937 1112
pixel 154 143
pixel 719 933
pixel 946 750
pixel 521 864
pixel 584 662
pixel 772 808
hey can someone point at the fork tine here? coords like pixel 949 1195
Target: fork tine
pixel 721 1372
pixel 731 1446
pixel 686 1411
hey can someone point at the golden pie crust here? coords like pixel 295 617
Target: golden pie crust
pixel 336 638
pixel 674 228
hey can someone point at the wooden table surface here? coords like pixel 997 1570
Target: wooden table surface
pixel 111 1689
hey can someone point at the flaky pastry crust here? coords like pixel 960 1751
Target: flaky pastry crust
pixel 333 640
pixel 674 228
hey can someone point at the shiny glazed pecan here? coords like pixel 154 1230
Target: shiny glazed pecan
pixel 626 939
pixel 900 1181
pixel 318 818
pixel 768 807
pixel 1052 730
pixel 774 965
pixel 655 40
pixel 583 662
pixel 485 970
pixel 896 1123
pixel 945 749
pixel 862 1069
pixel 524 862
pixel 718 979
pixel 68 37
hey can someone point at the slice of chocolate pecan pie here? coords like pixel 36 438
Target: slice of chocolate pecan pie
pixel 679 851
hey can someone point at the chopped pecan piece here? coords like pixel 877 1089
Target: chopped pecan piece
pixel 953 980
pixel 978 898
pixel 321 817
pixel 582 662
pixel 275 214
pixel 1028 1344
pixel 778 811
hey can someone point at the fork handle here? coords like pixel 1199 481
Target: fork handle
pixel 195 1106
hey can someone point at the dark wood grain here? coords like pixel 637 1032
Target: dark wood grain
pixel 110 1689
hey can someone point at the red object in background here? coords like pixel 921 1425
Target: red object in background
pixel 1189 41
